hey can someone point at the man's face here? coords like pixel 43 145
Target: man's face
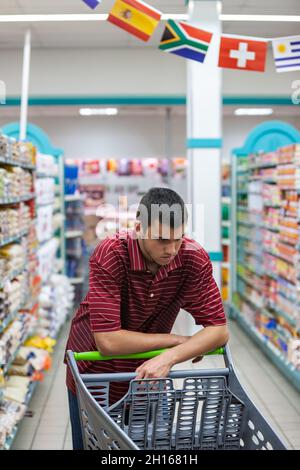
pixel 162 243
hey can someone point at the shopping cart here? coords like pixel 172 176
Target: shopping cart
pixel 203 409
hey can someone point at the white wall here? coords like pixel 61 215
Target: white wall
pixel 135 136
pixel 126 72
pixel 114 136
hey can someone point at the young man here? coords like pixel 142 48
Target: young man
pixel 139 281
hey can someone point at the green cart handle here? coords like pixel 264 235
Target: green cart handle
pixel 97 356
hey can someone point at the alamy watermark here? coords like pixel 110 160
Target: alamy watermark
pixel 2 92
pixel 167 216
pixel 296 94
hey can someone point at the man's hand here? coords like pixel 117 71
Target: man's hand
pixel 155 368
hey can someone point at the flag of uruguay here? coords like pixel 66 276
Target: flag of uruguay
pixel 287 53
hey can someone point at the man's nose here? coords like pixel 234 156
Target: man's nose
pixel 171 249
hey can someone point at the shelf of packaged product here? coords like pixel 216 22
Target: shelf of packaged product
pixel 225 264
pixel 277 310
pixel 226 223
pixel 226 200
pixel 242 208
pixel 250 283
pixel 16 200
pixel 74 233
pixel 282 257
pixel 7 366
pixel 244 237
pixel 73 197
pixel 11 276
pixel 76 280
pixel 45 175
pixel 251 301
pixel 10 439
pixel 256 254
pixel 268 348
pixel 11 317
pixel 9 161
pixel 263 165
pixel 44 204
pixel 14 238
pixel 260 226
pixel 286 316
pixel 271 204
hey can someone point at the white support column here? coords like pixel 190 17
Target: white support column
pixel 204 107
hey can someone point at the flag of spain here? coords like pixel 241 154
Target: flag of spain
pixel 135 17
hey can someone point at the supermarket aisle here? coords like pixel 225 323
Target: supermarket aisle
pixel 279 402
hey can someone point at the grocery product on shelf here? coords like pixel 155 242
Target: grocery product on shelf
pixel 55 301
pixel 28 258
pixel 225 229
pixel 268 244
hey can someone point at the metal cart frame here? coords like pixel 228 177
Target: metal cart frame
pixel 210 411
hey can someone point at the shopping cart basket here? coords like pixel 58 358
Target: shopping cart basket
pixel 209 410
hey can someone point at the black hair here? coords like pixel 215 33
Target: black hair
pixel 162 203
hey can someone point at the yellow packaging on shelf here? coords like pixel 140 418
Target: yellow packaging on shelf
pixel 41 343
pixel 225 275
pixel 225 293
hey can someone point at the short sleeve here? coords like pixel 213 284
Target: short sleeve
pixel 202 298
pixel 104 299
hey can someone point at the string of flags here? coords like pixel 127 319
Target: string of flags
pixel 185 40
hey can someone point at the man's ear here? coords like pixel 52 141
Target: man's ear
pixel 137 227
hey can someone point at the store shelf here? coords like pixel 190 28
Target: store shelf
pixel 8 161
pixel 6 367
pixel 279 256
pixel 76 280
pixel 251 301
pixel 10 439
pixel 226 200
pixel 249 282
pixel 73 197
pixel 45 175
pixel 16 200
pixel 44 204
pixel 74 233
pixel 7 320
pixel 268 348
pixel 226 223
pixel 14 239
pixel 287 317
pixel 225 264
pixel 11 276
pixel 262 165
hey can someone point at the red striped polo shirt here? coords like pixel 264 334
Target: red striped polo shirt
pixel 124 294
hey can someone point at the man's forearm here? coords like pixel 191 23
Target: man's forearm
pixel 128 342
pixel 202 342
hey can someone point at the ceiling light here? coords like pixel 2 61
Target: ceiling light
pixel 98 111
pixel 253 111
pixel 74 17
pixel 279 18
pixel 167 16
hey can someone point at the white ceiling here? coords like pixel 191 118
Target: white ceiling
pixel 104 34
pixel 12 112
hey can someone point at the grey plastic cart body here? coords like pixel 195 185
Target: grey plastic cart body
pixel 209 411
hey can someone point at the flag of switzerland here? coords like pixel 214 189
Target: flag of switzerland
pixel 242 54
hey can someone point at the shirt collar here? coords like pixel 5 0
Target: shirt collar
pixel 137 261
